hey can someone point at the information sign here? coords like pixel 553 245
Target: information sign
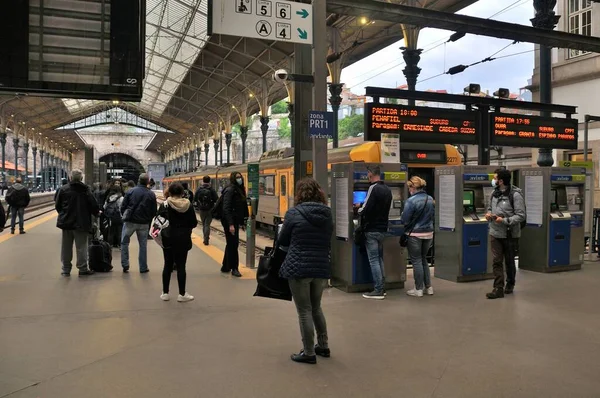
pixel 279 20
pixel 421 124
pixel 533 131
pixel 390 148
pixel 320 124
pixel 253 177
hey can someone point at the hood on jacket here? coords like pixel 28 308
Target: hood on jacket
pixel 18 186
pixel 315 213
pixel 180 205
pixel 79 186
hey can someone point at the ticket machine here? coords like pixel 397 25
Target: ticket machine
pixel 462 249
pixel 351 271
pixel 554 238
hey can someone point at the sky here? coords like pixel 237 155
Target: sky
pixel 511 72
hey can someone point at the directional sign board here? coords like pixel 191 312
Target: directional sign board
pixel 278 20
pixel 320 124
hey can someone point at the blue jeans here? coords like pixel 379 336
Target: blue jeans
pixel 417 251
pixel 13 218
pixel 141 230
pixel 374 248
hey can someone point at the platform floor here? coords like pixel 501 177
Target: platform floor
pixel 110 335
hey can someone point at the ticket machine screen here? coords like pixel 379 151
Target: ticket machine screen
pixel 359 197
pixel 553 200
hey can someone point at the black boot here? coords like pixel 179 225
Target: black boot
pixel 495 294
pixel 303 358
pixel 509 289
pixel 322 352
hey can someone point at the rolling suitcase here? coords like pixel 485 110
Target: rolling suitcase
pixel 100 256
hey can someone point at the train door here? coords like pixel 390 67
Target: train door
pixel 284 188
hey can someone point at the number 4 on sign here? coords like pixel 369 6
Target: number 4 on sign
pixel 284 31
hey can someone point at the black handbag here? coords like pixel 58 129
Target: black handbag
pixel 413 222
pixel 270 284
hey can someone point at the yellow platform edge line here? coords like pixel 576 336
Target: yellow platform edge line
pixel 217 255
pixel 28 225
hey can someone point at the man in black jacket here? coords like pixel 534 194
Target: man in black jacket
pixel 138 210
pixel 375 213
pixel 18 199
pixel 205 199
pixel 75 205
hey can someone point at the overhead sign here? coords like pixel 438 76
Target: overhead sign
pixel 320 124
pixel 421 124
pixel 533 131
pixel 584 164
pixel 278 20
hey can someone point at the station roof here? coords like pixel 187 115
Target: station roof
pixel 193 80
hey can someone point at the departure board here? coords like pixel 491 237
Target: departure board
pixel 533 131
pixel 421 124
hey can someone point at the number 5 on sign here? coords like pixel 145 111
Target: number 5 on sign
pixel 264 8
pixel 284 11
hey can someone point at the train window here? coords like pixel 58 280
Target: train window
pixel 283 186
pixel 266 185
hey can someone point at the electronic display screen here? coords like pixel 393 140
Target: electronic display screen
pixel 410 156
pixel 421 124
pixel 73 49
pixel 468 198
pixel 359 197
pixel 533 131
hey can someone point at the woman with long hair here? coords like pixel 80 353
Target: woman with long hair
pixel 306 231
pixel 177 242
pixel 112 211
pixel 418 216
pixel 235 213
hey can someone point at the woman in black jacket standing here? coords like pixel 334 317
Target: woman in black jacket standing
pixel 235 213
pixel 177 239
pixel 307 230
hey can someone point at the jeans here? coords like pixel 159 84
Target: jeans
pixel 141 230
pixel 374 247
pixel 307 295
pixel 13 218
pixel 178 258
pixel 81 246
pixel 231 259
pixel 502 250
pixel 417 251
pixel 206 218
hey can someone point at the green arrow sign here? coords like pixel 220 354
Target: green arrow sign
pixel 302 34
pixel 303 13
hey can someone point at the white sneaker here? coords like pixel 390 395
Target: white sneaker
pixel 429 291
pixel 415 293
pixel 185 297
pixel 165 297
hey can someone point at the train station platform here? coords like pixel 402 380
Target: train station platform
pixel 109 335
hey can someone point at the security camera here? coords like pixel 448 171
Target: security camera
pixel 281 76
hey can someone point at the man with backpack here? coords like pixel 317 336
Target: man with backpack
pixel 205 199
pixel 18 199
pixel 507 215
pixel 187 194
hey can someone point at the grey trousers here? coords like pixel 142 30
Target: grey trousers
pixel 307 295
pixel 81 246
pixel 206 217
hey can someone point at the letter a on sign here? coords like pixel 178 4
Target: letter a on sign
pixel 264 28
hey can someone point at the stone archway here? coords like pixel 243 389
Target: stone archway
pixel 121 165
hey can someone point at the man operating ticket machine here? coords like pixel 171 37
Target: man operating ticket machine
pixel 462 251
pixel 351 270
pixel 554 236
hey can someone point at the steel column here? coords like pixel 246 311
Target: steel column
pixel 26 151
pixel 3 144
pixel 34 153
pixel 16 146
pixel 228 143
pixel 335 89
pixel 264 128
pixel 244 136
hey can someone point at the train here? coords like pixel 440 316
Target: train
pixel 277 172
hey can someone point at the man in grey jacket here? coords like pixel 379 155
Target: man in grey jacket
pixel 506 211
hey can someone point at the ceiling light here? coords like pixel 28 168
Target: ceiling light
pixel 364 20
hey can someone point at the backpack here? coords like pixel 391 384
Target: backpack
pixel 204 198
pixel 217 210
pixel 511 200
pixel 112 211
pixel 160 228
pixel 2 217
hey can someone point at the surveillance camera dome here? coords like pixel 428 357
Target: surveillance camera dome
pixel 281 76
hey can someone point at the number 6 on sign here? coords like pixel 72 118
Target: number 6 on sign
pixel 264 8
pixel 284 11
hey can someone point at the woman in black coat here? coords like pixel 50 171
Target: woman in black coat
pixel 307 230
pixel 177 239
pixel 235 213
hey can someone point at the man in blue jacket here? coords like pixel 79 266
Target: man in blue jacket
pixel 138 210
